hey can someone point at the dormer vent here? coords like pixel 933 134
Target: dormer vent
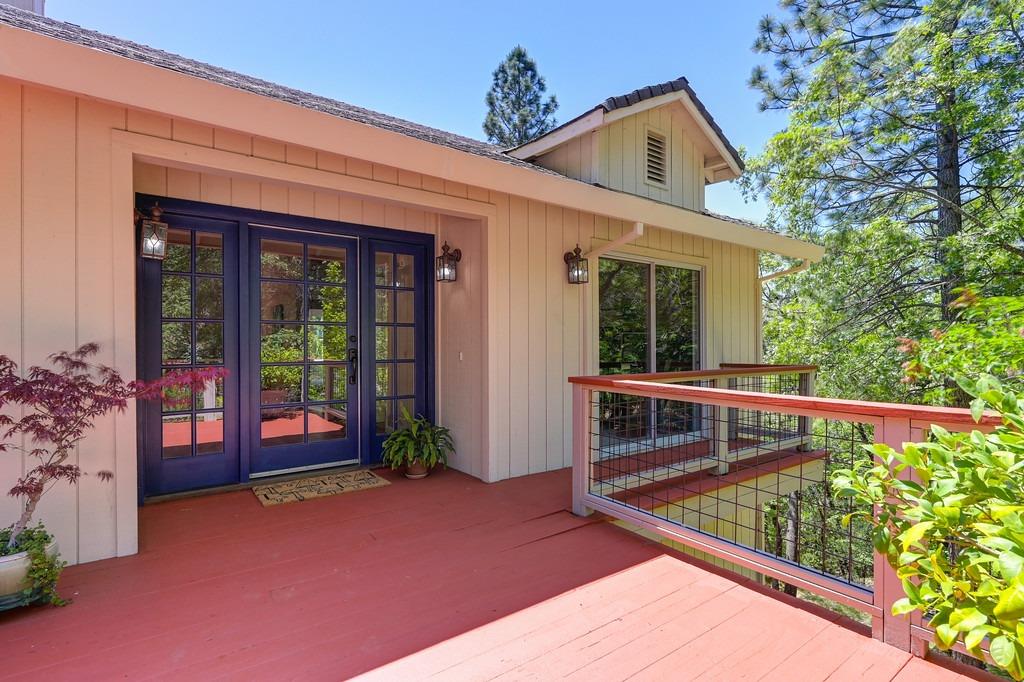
pixel 657 162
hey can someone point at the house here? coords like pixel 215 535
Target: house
pixel 300 256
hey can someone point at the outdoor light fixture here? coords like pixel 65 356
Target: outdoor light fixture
pixel 154 235
pixel 446 268
pixel 579 267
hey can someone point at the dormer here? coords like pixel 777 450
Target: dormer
pixel 657 142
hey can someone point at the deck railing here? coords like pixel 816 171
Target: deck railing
pixel 735 463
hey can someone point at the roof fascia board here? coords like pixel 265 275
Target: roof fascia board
pixel 643 105
pixel 100 75
pixel 582 125
pixel 697 116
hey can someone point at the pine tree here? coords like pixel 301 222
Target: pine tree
pixel 516 109
pixel 904 156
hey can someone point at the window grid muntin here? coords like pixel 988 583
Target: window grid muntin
pixel 189 409
pixel 306 363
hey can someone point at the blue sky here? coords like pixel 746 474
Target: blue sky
pixel 431 62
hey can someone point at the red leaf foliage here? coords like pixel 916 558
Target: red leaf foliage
pixel 60 403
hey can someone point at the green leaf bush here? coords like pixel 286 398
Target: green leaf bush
pixel 418 440
pixel 949 512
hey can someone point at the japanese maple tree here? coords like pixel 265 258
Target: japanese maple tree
pixel 58 406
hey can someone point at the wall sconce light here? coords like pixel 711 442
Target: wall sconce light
pixel 446 268
pixel 154 235
pixel 579 267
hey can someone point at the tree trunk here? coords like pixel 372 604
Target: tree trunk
pixel 26 515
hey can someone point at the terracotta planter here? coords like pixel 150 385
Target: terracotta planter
pixel 14 577
pixel 416 469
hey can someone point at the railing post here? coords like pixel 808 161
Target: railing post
pixel 893 630
pixel 805 424
pixel 581 444
pixel 721 433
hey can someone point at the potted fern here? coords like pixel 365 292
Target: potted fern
pixel 419 446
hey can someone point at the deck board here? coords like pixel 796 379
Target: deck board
pixel 446 578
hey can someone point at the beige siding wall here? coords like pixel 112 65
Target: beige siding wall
pixel 508 401
pixel 577 158
pixel 622 153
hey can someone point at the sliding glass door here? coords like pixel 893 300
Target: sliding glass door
pixel 649 321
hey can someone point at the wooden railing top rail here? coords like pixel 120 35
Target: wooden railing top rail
pixel 726 370
pixel 650 388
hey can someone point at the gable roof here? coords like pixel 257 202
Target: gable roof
pixel 74 33
pixel 678 85
pixel 595 118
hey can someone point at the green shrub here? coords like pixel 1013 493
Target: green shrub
pixel 418 440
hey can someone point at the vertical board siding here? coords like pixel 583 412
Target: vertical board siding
pixel 49 322
pixel 94 300
pixel 10 262
pixel 56 187
pixel 615 156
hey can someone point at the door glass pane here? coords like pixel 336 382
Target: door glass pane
pixel 405 343
pixel 327 382
pixel 280 260
pixel 383 379
pixel 176 436
pixel 179 252
pixel 327 422
pixel 327 304
pixel 385 417
pixel 280 384
pixel 280 302
pixel 404 307
pixel 210 343
pixel 385 310
pixel 327 343
pixel 176 398
pixel 281 342
pixel 281 426
pixel 409 407
pixel 327 264
pixel 209 253
pixel 176 342
pixel 176 296
pixel 405 275
pixel 212 395
pixel 209 298
pixel 383 269
pixel 405 378
pixel 209 433
pixel 385 343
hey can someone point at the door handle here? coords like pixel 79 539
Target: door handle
pixel 353 365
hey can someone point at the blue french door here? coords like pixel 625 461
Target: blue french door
pixel 396 317
pixel 189 314
pixel 324 328
pixel 304 308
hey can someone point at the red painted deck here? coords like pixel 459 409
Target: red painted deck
pixel 446 578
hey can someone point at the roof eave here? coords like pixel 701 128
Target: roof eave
pixel 53 63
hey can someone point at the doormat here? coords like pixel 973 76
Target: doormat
pixel 317 486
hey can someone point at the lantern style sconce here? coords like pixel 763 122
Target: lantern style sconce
pixel 446 268
pixel 154 236
pixel 579 266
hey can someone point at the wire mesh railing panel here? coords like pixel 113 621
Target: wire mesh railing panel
pixel 757 479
